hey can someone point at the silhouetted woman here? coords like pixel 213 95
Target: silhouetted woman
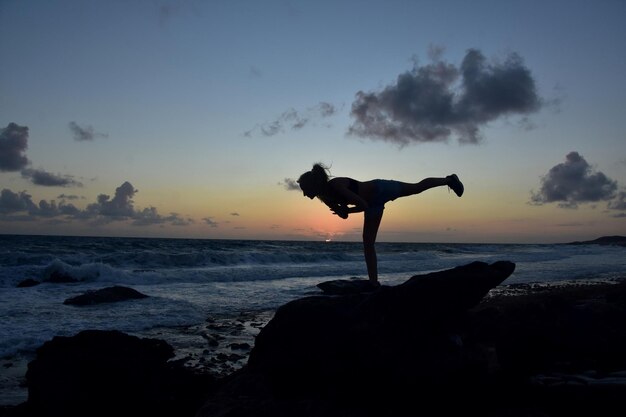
pixel 345 195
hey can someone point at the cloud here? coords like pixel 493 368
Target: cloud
pixel 433 102
pixel 85 133
pixel 120 206
pixel 234 214
pixel 210 221
pixel 619 203
pixel 290 184
pixel 11 202
pixel 69 197
pixel 13 144
pixel 47 179
pixel 573 182
pixel 20 206
pixel 175 220
pixel 292 119
pixel 150 216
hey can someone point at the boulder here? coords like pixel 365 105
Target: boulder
pixel 437 346
pixel 106 373
pixel 60 277
pixel 395 349
pixel 29 282
pixel 105 295
pixel 347 286
pixel 405 333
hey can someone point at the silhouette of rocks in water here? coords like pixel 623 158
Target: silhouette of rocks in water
pixel 29 282
pixel 109 373
pixel 347 286
pixel 435 345
pixel 366 352
pixel 105 295
pixel 604 240
pixel 59 277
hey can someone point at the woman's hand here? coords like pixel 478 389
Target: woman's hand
pixel 341 211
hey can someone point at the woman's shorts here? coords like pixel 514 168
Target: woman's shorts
pixel 386 190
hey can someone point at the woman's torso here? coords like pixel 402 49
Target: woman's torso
pixel 364 189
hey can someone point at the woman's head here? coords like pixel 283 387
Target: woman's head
pixel 314 182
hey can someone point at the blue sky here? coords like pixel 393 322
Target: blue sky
pixel 208 108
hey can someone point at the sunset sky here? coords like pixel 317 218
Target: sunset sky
pixel 193 118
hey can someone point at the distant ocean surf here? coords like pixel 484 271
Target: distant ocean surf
pixel 189 281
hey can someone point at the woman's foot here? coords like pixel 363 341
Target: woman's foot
pixel 455 184
pixel 374 284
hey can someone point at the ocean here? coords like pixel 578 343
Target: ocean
pixel 209 298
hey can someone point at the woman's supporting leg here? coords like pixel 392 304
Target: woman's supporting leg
pixel 371 223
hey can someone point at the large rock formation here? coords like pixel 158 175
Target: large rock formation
pixel 359 353
pixel 432 346
pixel 363 339
pixel 109 373
pixel 435 346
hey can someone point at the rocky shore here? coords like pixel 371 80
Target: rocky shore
pixel 439 344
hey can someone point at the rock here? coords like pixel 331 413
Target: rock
pixel 604 240
pixel 365 351
pixel 436 346
pixel 239 346
pixel 389 334
pixel 29 282
pixel 105 295
pixel 347 286
pixel 59 277
pixel 104 373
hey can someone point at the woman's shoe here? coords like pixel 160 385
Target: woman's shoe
pixel 455 184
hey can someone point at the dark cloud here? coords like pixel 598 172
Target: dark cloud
pixel 150 216
pixel 120 206
pixel 20 206
pixel 85 133
pixel 292 119
pixel 13 145
pixel 47 179
pixel 435 101
pixel 51 209
pixel 69 197
pixel 176 220
pixel 573 182
pixel 290 184
pixel 234 214
pixel 11 202
pixel 147 216
pixel 210 221
pixel 325 109
pixel 619 203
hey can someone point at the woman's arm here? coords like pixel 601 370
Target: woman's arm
pixel 340 210
pixel 355 203
pixel 340 186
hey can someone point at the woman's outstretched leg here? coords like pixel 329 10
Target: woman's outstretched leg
pixel 371 223
pixel 451 181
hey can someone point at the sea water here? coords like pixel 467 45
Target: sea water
pixel 190 280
